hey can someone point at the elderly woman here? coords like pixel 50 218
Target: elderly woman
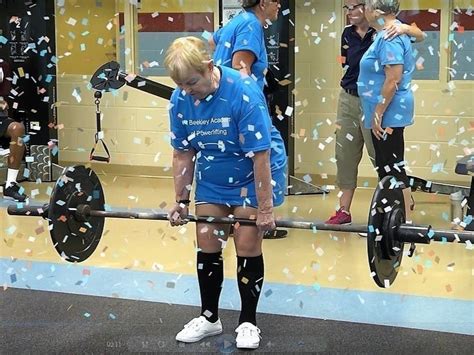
pixel 220 126
pixel 355 41
pixel 384 86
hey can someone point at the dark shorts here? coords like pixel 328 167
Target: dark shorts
pixel 4 123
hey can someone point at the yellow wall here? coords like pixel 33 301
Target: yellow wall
pixel 135 124
pixel 78 47
pixel 442 131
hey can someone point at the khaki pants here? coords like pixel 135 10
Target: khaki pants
pixel 350 138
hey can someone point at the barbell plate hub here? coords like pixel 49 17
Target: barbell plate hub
pixel 384 250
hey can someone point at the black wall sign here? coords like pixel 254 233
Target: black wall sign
pixel 27 44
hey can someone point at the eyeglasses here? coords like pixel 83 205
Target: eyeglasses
pixel 351 7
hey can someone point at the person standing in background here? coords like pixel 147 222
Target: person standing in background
pixel 384 86
pixel 350 132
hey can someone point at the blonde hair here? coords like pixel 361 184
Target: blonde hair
pixel 186 54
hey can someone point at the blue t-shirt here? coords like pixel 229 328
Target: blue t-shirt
pixel 226 129
pixel 384 52
pixel 243 33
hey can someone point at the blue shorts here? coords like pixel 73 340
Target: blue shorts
pixel 279 177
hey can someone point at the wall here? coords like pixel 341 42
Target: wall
pixel 444 121
pixel 135 124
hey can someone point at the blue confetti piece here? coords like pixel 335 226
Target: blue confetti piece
pixel 316 286
pixel 54 151
pixel 26 173
pixel 87 315
pixel 371 229
pixel 13 278
pixel 437 168
pixel 268 293
pixel 431 234
pixel 48 78
pixel 468 219
pixel 112 316
pixel 3 40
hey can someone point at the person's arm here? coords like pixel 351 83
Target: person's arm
pixel 243 60
pixel 183 173
pixel 398 29
pixel 263 188
pixel 212 44
pixel 344 47
pixel 393 75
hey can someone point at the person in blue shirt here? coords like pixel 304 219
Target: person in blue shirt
pixel 384 86
pixel 351 136
pixel 240 44
pixel 223 140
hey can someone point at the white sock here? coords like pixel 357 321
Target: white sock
pixel 11 176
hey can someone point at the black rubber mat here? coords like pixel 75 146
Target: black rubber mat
pixel 46 322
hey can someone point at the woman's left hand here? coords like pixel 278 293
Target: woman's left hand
pixel 394 30
pixel 377 129
pixel 265 221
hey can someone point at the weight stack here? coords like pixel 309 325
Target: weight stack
pixel 40 165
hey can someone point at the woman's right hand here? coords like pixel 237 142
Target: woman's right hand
pixel 177 215
pixel 377 129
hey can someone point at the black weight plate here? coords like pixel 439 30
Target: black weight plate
pixel 387 212
pixel 106 77
pixel 74 240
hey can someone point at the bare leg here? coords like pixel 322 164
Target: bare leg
pixel 345 200
pixel 16 131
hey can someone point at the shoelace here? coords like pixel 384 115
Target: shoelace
pixel 194 324
pixel 249 331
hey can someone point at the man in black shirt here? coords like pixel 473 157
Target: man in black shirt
pixel 350 132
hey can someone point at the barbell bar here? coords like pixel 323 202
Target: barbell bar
pixel 76 214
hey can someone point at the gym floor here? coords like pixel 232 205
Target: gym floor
pixel 139 288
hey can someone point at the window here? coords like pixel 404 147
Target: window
pixel 461 38
pixel 427 53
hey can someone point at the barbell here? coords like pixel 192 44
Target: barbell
pixel 76 215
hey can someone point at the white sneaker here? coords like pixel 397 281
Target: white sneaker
pixel 248 336
pixel 197 329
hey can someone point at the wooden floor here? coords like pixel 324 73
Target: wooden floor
pixel 335 260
